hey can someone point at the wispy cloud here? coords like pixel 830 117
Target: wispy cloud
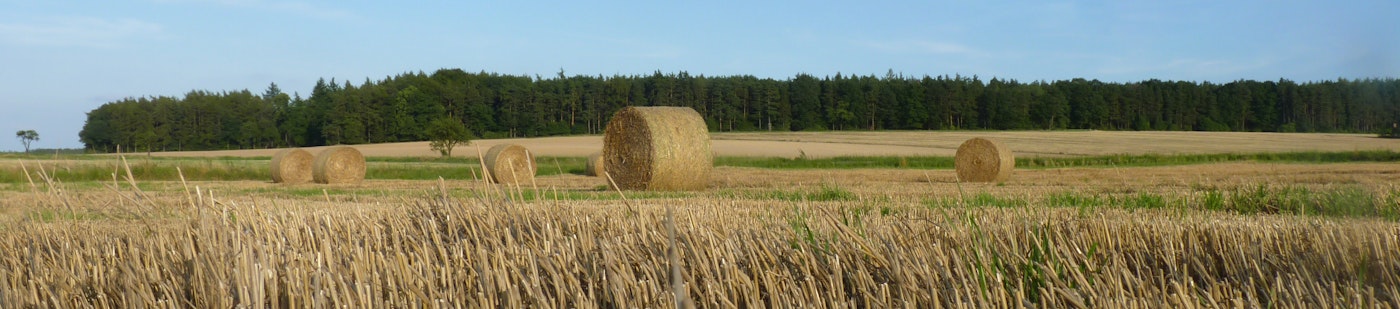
pixel 289 7
pixel 76 32
pixel 922 47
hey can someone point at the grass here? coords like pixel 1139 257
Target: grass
pixel 78 168
pixel 516 195
pixel 1186 159
pixel 101 168
pixel 837 162
pixel 1095 161
pixel 532 195
pixel 318 192
pixel 825 193
pixel 977 200
pixel 1346 201
pixel 150 169
pixel 52 215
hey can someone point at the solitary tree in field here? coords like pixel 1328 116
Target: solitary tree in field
pixel 26 137
pixel 445 133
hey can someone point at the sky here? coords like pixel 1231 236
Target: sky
pixel 62 59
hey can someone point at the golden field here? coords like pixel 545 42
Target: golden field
pixel 1231 234
pixel 918 143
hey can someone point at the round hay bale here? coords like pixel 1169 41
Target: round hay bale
pixel 658 148
pixel 984 160
pixel 594 165
pixel 291 166
pixel 510 163
pixel 340 164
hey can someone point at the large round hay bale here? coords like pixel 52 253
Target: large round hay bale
pixel 510 163
pixel 340 164
pixel 291 166
pixel 594 166
pixel 984 160
pixel 658 148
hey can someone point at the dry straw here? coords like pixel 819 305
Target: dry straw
pixel 594 165
pixel 340 164
pixel 658 148
pixel 984 160
pixel 510 163
pixel 291 166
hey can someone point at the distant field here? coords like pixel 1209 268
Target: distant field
pixel 919 143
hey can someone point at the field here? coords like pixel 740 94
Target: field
pixel 922 143
pixel 868 219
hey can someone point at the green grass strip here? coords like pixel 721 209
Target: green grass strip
pixel 89 168
pixel 929 162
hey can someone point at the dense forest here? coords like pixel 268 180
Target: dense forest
pixel 492 105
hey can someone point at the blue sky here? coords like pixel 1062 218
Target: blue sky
pixel 61 59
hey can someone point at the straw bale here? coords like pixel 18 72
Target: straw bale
pixel 658 148
pixel 594 165
pixel 984 160
pixel 291 166
pixel 339 164
pixel 510 163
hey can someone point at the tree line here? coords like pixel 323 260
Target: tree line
pixel 399 108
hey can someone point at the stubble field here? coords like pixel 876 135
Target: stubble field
pixel 1220 234
pixel 919 143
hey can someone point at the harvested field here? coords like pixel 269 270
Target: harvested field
pixel 919 143
pixel 732 252
pixel 1064 143
pixel 1234 234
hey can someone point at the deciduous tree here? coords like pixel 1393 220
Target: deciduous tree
pixel 446 133
pixel 25 137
